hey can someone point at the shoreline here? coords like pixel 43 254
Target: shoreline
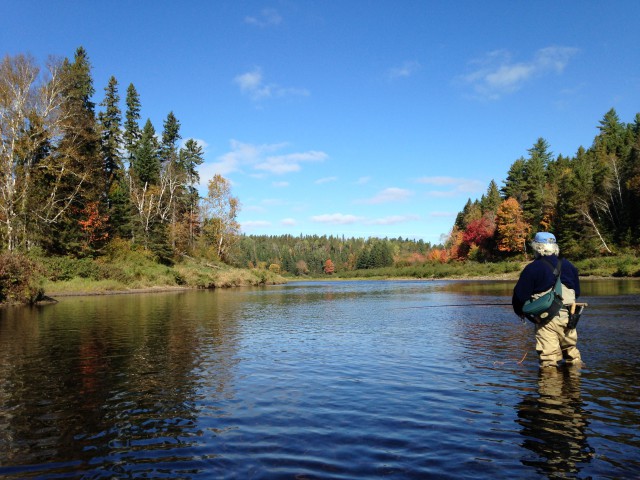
pixel 51 296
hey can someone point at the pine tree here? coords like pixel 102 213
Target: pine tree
pixel 492 200
pixel 514 185
pixel 79 150
pixel 111 136
pixel 145 163
pixel 535 183
pixel 190 157
pixel 132 133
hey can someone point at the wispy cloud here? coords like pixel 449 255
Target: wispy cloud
pixel 253 85
pixel 387 195
pixel 497 74
pixel 288 222
pixel 451 186
pixel 405 70
pixel 363 180
pixel 268 17
pixel 280 184
pixel 336 219
pixel 262 158
pixel 281 164
pixel 324 180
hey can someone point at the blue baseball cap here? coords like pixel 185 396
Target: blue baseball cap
pixel 544 237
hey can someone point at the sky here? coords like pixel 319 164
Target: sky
pixel 376 118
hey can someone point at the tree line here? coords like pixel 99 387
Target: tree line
pixel 590 201
pixel 74 177
pixel 321 254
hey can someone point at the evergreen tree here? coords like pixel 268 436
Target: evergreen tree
pixel 145 164
pixel 170 137
pixel 535 183
pixel 111 136
pixel 190 157
pixel 632 183
pixel 514 184
pixel 79 150
pixel 132 133
pixel 492 200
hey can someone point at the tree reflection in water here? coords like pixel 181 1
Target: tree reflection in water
pixel 554 424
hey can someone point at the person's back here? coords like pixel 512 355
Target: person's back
pixel 554 341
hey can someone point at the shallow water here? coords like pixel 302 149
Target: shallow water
pixel 316 380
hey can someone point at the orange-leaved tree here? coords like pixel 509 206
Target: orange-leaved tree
pixel 512 229
pixel 329 267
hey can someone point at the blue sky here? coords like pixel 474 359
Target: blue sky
pixel 355 118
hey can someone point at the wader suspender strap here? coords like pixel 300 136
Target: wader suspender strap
pixel 556 273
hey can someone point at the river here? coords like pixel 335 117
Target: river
pixel 336 380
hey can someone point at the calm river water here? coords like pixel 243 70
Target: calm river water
pixel 316 380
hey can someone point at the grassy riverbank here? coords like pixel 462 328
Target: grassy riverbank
pixel 24 279
pixel 619 266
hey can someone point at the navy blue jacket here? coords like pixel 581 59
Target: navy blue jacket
pixel 538 277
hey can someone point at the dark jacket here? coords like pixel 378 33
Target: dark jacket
pixel 538 277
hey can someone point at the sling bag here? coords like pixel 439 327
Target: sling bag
pixel 542 309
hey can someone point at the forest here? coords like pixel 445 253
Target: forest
pixel 74 178
pixel 79 180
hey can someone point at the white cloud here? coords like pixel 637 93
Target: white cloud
pixel 387 195
pixel 405 70
pixel 451 186
pixel 280 184
pixel 260 157
pixel 281 164
pixel 321 181
pixel 496 74
pixel 363 180
pixel 288 222
pixel 252 84
pixel 336 219
pixel 268 17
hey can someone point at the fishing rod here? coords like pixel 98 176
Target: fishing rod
pixel 460 305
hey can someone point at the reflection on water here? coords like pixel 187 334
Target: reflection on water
pixel 554 424
pixel 315 380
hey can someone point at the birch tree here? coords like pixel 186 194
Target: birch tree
pixel 219 210
pixel 31 117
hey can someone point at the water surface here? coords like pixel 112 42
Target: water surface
pixel 316 380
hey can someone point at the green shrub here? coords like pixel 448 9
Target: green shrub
pixel 20 279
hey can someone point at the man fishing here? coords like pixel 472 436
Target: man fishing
pixel 555 338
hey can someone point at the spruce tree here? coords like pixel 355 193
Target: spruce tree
pixel 111 136
pixel 145 164
pixel 79 149
pixel 132 133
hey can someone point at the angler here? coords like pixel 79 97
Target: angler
pixel 546 294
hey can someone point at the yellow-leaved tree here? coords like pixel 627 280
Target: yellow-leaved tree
pixel 511 227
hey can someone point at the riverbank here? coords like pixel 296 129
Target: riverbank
pixel 130 271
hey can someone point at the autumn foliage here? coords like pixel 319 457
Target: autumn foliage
pixel 511 228
pixel 329 267
pixel 93 226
